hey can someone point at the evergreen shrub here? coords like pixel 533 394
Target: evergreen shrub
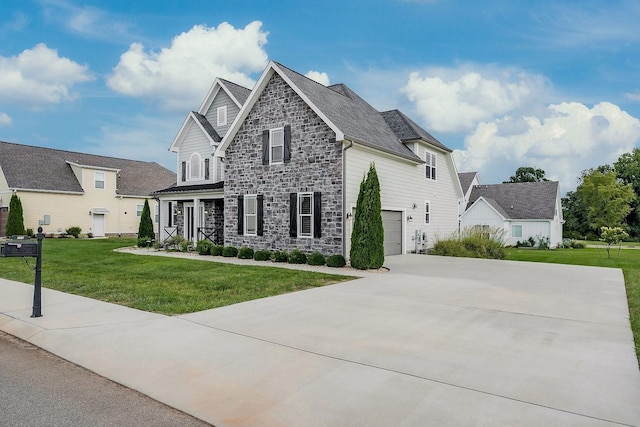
pixel 262 255
pixel 336 261
pixel 316 258
pixel 245 253
pixel 230 251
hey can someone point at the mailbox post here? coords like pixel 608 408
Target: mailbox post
pixel 28 248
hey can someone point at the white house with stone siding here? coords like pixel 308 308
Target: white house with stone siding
pixel 284 170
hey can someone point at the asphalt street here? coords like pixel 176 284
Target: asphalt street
pixel 40 389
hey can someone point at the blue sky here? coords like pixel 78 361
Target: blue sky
pixel 549 84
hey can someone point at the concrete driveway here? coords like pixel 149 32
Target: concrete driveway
pixel 435 341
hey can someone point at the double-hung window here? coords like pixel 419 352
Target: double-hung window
pixel 139 208
pixel 250 215
pixel 305 214
pixel 98 179
pixel 430 166
pixel 276 145
pixel 427 212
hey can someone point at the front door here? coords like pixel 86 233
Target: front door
pixel 98 225
pixel 191 222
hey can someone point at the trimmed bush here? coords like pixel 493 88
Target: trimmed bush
pixel 230 251
pixel 336 261
pixel 297 257
pixel 216 250
pixel 204 247
pixel 15 221
pixel 245 253
pixel 74 231
pixel 577 245
pixel 280 256
pixel 144 243
pixel 316 258
pixel 145 228
pixel 262 255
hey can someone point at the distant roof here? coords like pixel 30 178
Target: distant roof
pixel 240 93
pixel 522 200
pixel 191 188
pixel 407 130
pixel 466 178
pixel 351 114
pixel 48 169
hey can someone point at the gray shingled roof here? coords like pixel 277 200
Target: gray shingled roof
pixel 174 189
pixel 522 200
pixel 38 168
pixel 240 93
pixel 466 178
pixel 351 114
pixel 207 126
pixel 408 130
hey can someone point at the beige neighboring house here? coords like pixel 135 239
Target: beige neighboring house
pixel 60 189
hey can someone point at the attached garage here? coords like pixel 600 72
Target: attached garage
pixel 392 223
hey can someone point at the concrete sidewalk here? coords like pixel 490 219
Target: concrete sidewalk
pixel 436 341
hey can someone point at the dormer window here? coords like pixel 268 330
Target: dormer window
pixel 222 115
pixel 195 171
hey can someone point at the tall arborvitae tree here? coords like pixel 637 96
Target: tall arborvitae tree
pixel 15 221
pixel 145 230
pixel 367 238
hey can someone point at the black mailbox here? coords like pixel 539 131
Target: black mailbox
pixel 19 248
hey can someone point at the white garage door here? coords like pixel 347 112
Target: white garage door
pixel 392 223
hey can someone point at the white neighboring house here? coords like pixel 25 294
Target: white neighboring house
pixel 468 180
pixel 522 210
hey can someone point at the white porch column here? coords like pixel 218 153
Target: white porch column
pixel 196 219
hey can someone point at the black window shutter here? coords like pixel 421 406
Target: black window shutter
pixel 240 214
pixel 170 216
pixel 265 147
pixel 184 171
pixel 260 214
pixel 293 214
pixel 287 143
pixel 317 214
pixel 206 168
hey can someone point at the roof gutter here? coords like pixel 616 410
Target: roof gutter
pixel 344 196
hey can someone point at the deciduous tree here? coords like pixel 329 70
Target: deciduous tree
pixel 527 174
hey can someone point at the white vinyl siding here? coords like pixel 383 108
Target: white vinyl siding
pixel 222 100
pixel 195 141
pixel 305 215
pixel 276 146
pixel 250 215
pixel 403 188
pixel 98 179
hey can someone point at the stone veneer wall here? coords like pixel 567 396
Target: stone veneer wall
pixel 316 165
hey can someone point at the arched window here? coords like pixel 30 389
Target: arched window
pixel 195 167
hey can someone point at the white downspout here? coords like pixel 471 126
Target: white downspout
pixel 344 197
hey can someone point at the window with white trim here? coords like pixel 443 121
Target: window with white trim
pixel 516 231
pixel 427 212
pixel 250 215
pixel 221 114
pixel 98 179
pixel 305 214
pixel 219 169
pixel 156 214
pixel 139 210
pixel 430 166
pixel 194 166
pixel 276 145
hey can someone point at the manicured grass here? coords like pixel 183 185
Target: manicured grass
pixel 629 262
pixel 91 268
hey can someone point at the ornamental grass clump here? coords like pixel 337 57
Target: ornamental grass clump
pixel 473 242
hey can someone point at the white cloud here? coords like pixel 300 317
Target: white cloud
pixel 39 76
pixel 453 100
pixel 5 120
pixel 180 75
pixel 571 137
pixel 322 78
pixel 633 96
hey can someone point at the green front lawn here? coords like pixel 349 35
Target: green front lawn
pixel 629 262
pixel 91 268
